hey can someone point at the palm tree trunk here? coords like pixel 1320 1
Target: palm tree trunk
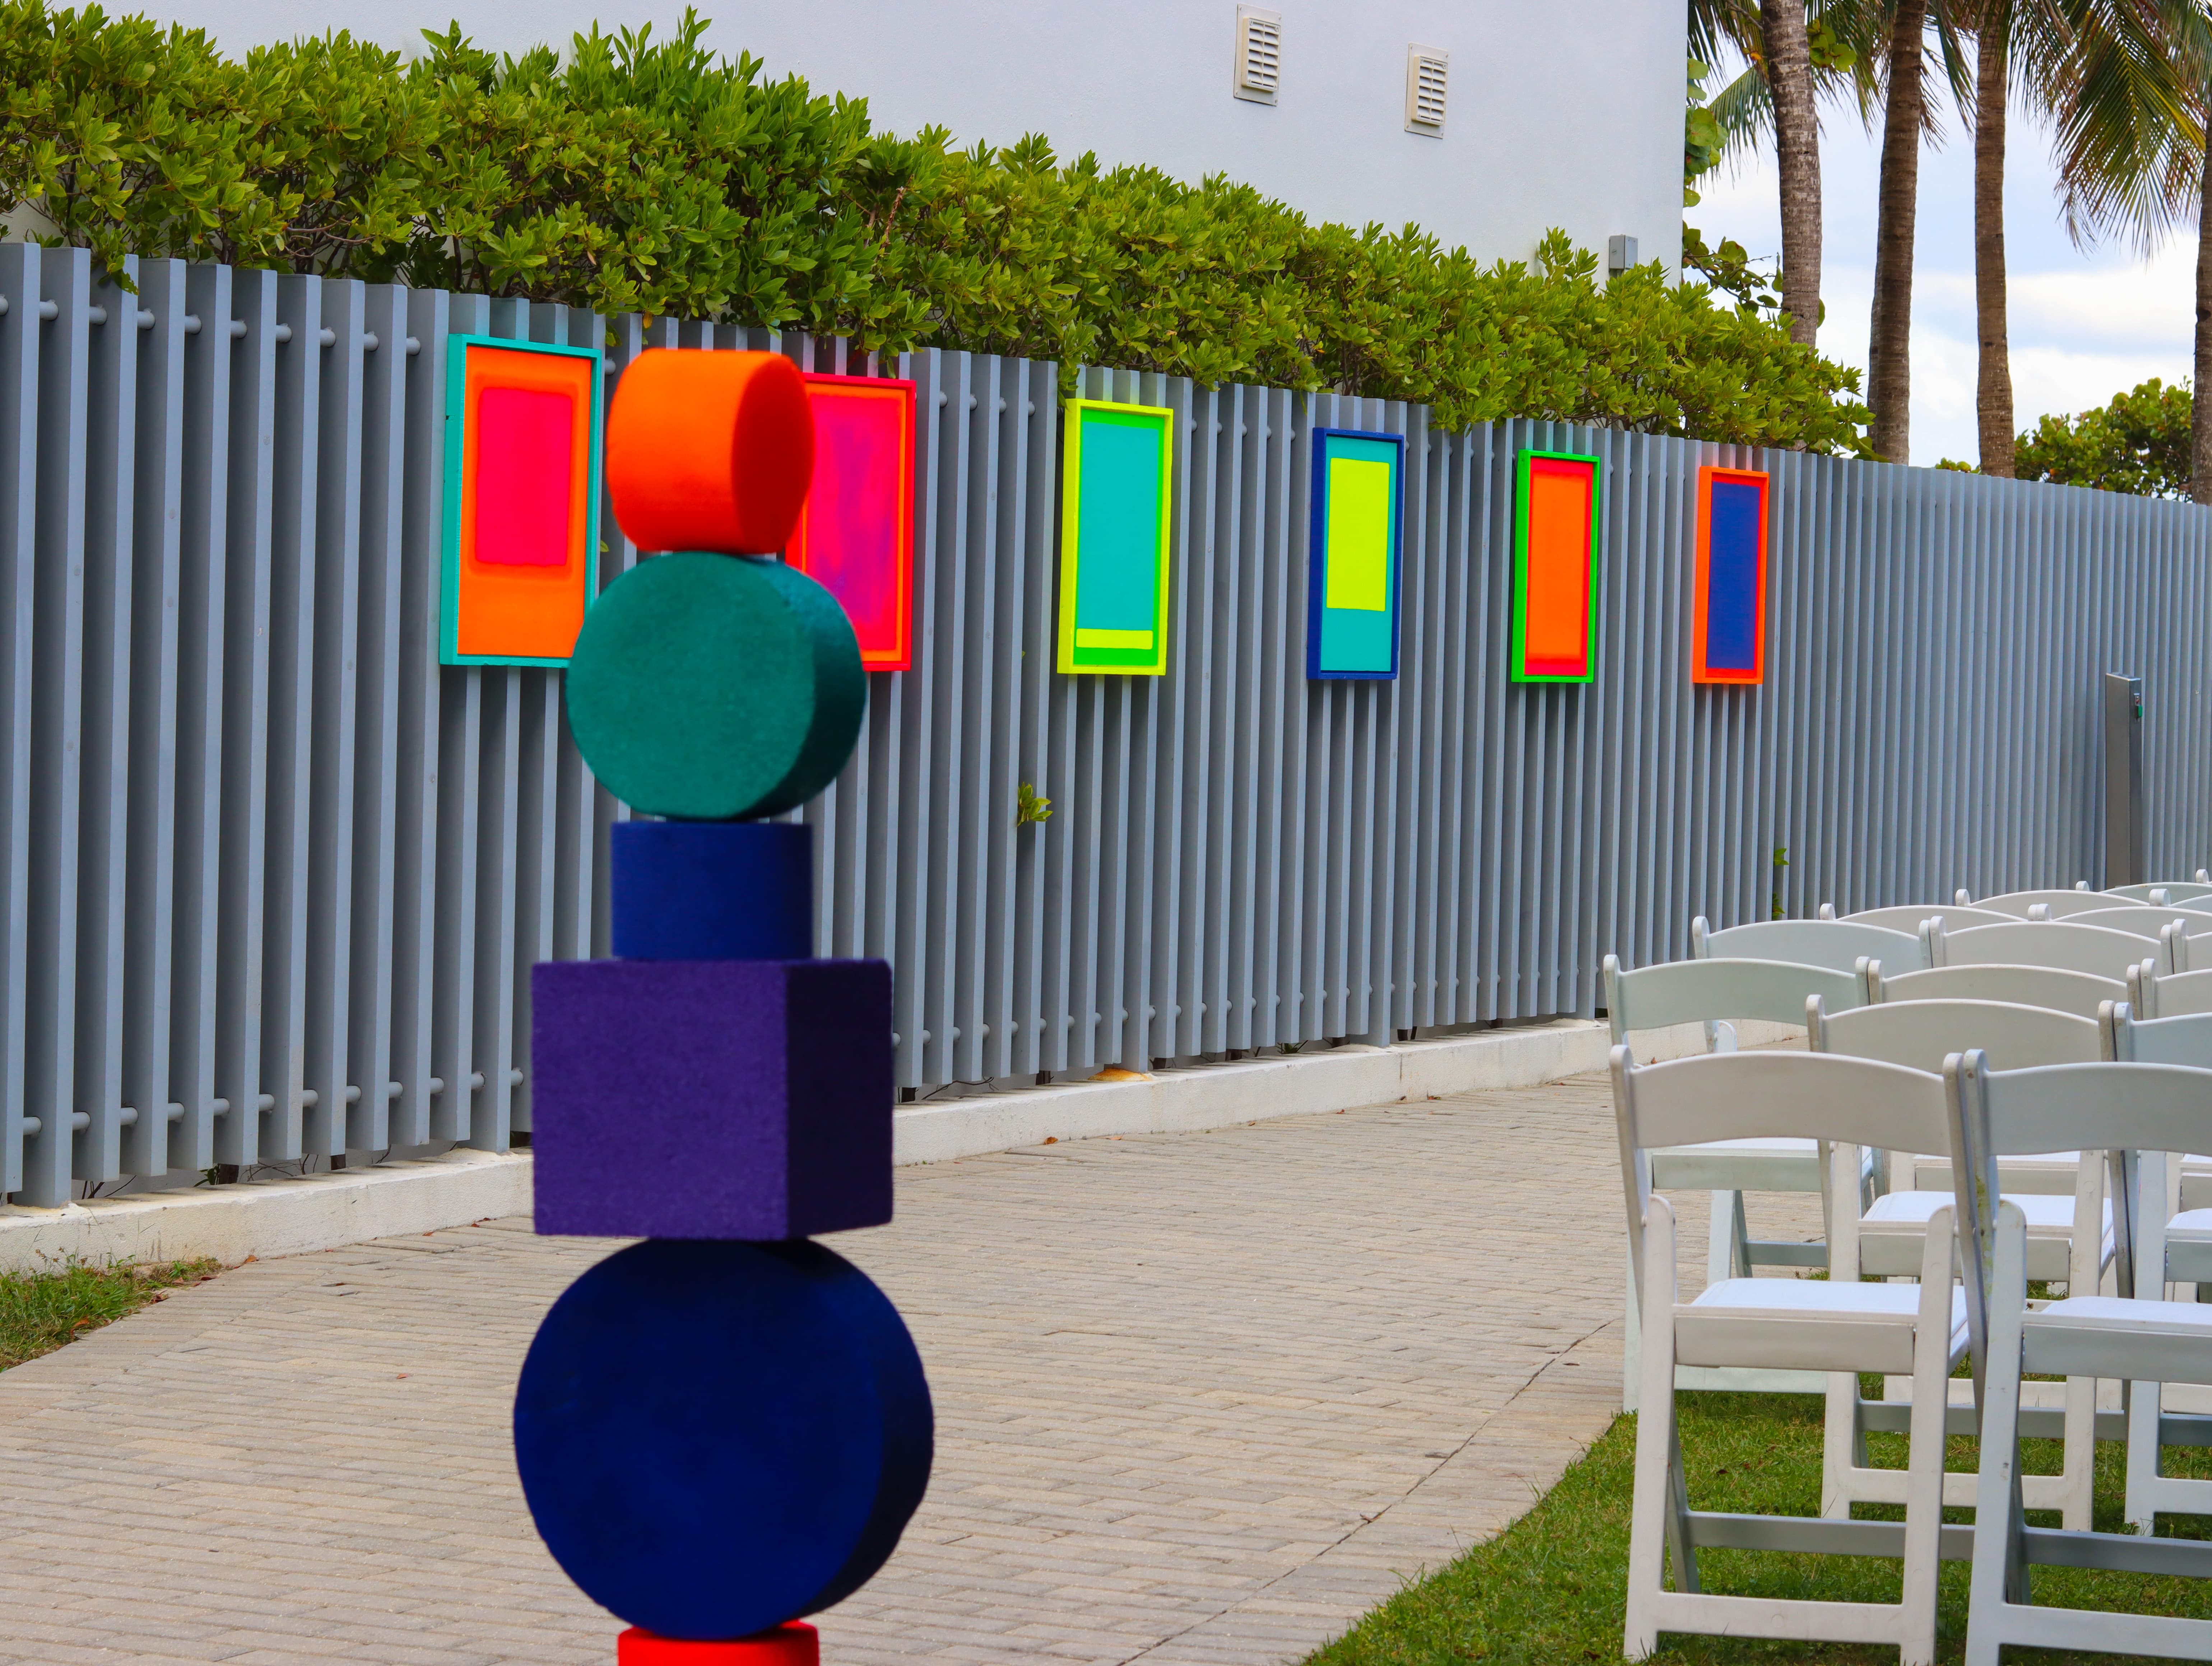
pixel 1993 399
pixel 1797 149
pixel 2200 449
pixel 1889 379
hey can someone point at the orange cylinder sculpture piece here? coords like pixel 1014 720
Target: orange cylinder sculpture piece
pixel 709 451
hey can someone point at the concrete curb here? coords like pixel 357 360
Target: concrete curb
pixel 1223 1095
pixel 293 1216
pixel 269 1216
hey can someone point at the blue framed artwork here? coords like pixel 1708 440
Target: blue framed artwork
pixel 1352 594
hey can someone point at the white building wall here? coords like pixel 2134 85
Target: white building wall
pixel 1563 112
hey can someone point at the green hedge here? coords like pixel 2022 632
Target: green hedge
pixel 650 176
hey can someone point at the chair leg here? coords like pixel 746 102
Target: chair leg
pixel 1656 1472
pixel 1722 1237
pixel 1999 1570
pixel 2142 1455
pixel 1841 1441
pixel 2078 1466
pixel 1631 1341
pixel 1924 1486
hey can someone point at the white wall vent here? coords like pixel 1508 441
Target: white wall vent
pixel 1258 54
pixel 1427 70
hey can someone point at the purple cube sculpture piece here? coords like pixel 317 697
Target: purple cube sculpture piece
pixel 711 1098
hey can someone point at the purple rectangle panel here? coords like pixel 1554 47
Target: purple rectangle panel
pixel 711 1099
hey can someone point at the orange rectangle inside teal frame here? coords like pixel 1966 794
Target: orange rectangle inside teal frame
pixel 1728 629
pixel 1555 568
pixel 520 500
pixel 521 509
pixel 1116 494
pixel 855 536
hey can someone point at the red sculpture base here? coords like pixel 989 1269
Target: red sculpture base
pixel 794 1643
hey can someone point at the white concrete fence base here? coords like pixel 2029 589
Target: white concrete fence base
pixel 292 1217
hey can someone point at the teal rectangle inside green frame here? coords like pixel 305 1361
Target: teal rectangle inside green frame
pixel 1351 590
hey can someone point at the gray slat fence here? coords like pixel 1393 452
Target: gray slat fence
pixel 274 878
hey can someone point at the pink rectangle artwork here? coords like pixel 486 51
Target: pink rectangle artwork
pixel 522 495
pixel 856 537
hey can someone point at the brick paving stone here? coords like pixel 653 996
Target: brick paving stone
pixel 1201 1399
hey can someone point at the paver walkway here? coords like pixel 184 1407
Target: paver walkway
pixel 1201 1398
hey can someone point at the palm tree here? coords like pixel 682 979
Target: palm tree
pixel 1780 88
pixel 2103 73
pixel 2128 98
pixel 1993 408
pixel 1889 331
pixel 1797 153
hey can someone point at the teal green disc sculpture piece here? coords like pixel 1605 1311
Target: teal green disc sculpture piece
pixel 716 688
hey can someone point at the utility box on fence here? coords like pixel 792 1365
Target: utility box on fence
pixel 2125 858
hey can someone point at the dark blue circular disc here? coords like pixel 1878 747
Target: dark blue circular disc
pixel 715 1438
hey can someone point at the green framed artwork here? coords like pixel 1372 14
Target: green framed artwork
pixel 1114 538
pixel 1555 568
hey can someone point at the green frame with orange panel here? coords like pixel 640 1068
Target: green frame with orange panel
pixel 1555 567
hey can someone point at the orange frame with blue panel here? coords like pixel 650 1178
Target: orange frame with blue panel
pixel 521 509
pixel 1728 629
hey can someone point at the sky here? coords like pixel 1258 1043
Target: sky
pixel 2085 323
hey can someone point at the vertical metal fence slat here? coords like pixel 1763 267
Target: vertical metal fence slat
pixel 370 1063
pixel 154 543
pixel 103 825
pixel 57 729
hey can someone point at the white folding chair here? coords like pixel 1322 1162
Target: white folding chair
pixel 1718 994
pixel 1913 918
pixel 2054 1191
pixel 2176 1230
pixel 1820 1326
pixel 2018 903
pixel 2059 943
pixel 2146 1108
pixel 1838 945
pixel 2078 992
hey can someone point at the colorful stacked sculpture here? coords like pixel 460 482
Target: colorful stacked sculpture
pixel 726 1426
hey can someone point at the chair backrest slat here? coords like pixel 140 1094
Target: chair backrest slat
pixel 2060 902
pixel 2078 992
pixel 1838 945
pixel 1702 991
pixel 1911 919
pixel 2059 944
pixel 2184 892
pixel 2184 1040
pixel 2143 921
pixel 2099 1107
pixel 1743 1096
pixel 2172 996
pixel 1921 1034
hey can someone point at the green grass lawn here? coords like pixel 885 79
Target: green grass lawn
pixel 1549 1589
pixel 41 1311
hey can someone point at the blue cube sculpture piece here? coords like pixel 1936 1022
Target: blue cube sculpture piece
pixel 712 1099
pixel 713 890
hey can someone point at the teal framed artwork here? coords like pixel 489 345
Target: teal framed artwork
pixel 1351 587
pixel 1116 494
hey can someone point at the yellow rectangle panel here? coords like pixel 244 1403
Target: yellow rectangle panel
pixel 1359 535
pixel 1113 639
